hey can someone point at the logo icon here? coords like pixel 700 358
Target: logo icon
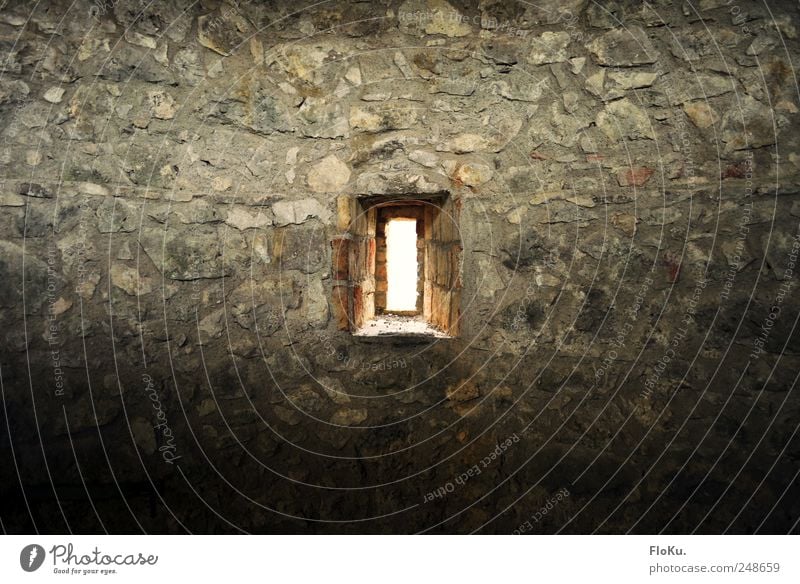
pixel 31 557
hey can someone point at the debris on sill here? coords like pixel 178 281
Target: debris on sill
pixel 394 325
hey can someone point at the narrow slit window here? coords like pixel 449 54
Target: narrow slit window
pixel 397 266
pixel 401 265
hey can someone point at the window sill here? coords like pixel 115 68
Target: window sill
pixel 394 326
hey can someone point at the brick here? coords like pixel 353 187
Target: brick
pixel 340 302
pixel 634 177
pixel 344 205
pixel 341 253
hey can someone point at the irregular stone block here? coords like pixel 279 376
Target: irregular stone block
pixel 243 219
pixel 549 47
pixel 223 31
pixel 329 175
pixel 632 79
pixel 622 119
pixel 383 118
pixel 396 183
pixel 348 417
pixel 314 307
pixel 623 47
pixel 129 281
pixel 297 212
pixel 634 176
pixel 682 87
pixel 15 91
pixel 304 249
pixel 432 17
pixel 117 216
pixel 749 126
pixel 185 256
pixel 323 118
pixel 471 174
pixel 527 88
pixel 701 114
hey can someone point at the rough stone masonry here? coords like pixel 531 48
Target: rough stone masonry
pixel 172 175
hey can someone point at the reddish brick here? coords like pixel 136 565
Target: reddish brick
pixel 358 306
pixel 636 176
pixel 340 303
pixel 340 246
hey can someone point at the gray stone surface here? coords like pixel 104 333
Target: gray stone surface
pixel 627 184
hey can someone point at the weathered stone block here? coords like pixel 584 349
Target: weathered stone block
pixel 623 47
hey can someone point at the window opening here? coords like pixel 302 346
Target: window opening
pixel 402 269
pixel 380 287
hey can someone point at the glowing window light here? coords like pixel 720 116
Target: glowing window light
pixel 401 265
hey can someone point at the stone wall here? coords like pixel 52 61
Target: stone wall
pixel 172 178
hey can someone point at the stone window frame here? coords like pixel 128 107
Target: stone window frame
pixel 355 259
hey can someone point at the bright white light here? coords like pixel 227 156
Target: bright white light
pixel 401 264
